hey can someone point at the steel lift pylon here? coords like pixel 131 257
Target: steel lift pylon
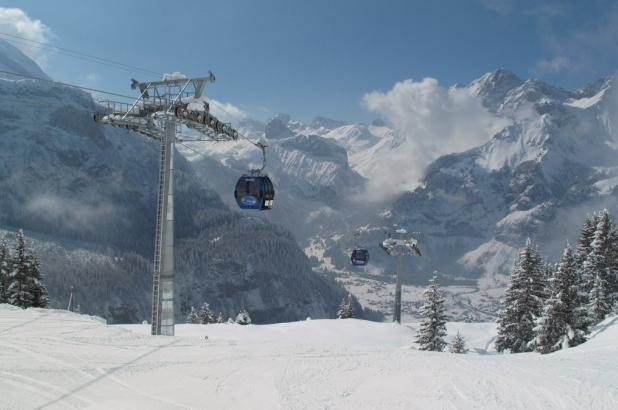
pixel 159 112
pixel 399 247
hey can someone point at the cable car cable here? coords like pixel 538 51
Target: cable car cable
pixel 31 77
pixel 79 54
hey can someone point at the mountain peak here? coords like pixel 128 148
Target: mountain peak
pixel 501 78
pixel 15 61
pixel 327 123
pixel 493 87
pixel 277 127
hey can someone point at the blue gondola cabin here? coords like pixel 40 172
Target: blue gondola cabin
pixel 254 192
pixel 360 257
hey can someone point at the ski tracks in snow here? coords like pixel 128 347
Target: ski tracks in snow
pixel 65 374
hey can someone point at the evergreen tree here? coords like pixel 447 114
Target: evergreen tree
pixel 193 317
pixel 346 308
pixel 523 303
pixel 459 344
pixel 243 317
pixel 585 240
pixel 612 264
pixel 599 306
pixel 5 263
pixel 433 327
pixel 20 289
pixel 220 318
pixel 563 323
pixel 599 262
pixel 39 291
pixel 205 316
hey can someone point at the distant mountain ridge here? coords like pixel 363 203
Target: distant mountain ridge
pixel 539 176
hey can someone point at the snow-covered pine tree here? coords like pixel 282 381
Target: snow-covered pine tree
pixel 205 316
pixel 600 305
pixel 5 263
pixel 243 317
pixel 193 317
pixel 39 291
pixel 548 274
pixel 346 308
pixel 599 261
pixel 20 289
pixel 220 318
pixel 612 264
pixel 523 302
pixel 433 327
pixel 564 323
pixel 459 344
pixel 585 239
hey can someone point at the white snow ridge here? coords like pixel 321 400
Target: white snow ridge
pixel 60 360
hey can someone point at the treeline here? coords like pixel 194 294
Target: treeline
pixel 204 316
pixel 20 275
pixel 547 308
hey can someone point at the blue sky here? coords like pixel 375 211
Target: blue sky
pixel 321 57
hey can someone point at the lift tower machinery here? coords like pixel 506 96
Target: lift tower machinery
pixel 159 112
pixel 399 246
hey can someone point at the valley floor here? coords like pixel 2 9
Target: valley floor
pixel 60 360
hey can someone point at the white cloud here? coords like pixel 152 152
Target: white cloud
pixel 176 75
pixel 431 121
pixel 226 112
pixel 554 65
pixel 15 22
pixel 72 213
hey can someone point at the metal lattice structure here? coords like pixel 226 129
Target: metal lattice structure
pixel 160 111
pixel 399 247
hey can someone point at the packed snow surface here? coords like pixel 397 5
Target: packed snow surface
pixel 60 360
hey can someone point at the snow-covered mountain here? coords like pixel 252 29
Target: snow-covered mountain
pixel 86 194
pixel 14 61
pixel 554 162
pixel 538 177
pixel 311 172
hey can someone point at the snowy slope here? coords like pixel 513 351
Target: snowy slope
pixel 60 360
pixel 13 60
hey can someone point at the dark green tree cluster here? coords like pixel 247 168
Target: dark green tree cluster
pixel 21 280
pixel 523 303
pixel 551 309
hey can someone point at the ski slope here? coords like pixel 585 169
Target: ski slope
pixel 60 360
